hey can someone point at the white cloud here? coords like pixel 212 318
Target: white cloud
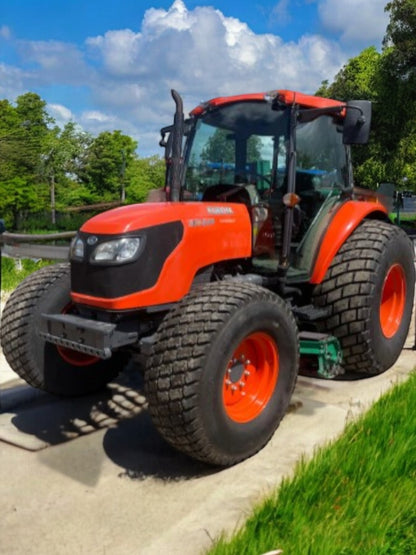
pixel 95 115
pixel 57 62
pixel 202 54
pixel 128 73
pixel 60 113
pixel 12 81
pixel 5 32
pixel 355 20
pixel 280 12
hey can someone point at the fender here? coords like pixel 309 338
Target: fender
pixel 346 219
pixel 205 233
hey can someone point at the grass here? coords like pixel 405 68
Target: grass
pixel 356 496
pixel 13 271
pixel 407 220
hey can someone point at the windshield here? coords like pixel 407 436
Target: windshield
pixel 244 143
pixel 321 156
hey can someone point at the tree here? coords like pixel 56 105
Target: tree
pixel 221 148
pixel 23 129
pixel 401 37
pixel 143 175
pixel 375 76
pixel 17 197
pixel 62 151
pixel 106 162
pixel 356 80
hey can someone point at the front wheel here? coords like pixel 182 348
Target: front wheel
pixel 57 370
pixel 222 371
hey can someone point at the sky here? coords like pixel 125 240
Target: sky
pixel 110 64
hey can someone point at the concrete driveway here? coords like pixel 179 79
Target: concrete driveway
pixel 92 476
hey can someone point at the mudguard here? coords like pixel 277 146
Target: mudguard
pixel 346 219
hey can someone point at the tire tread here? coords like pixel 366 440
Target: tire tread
pixel 15 321
pixel 347 290
pixel 177 361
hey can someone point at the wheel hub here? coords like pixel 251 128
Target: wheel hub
pixel 393 299
pixel 236 369
pixel 250 377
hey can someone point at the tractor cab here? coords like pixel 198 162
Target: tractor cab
pixel 282 154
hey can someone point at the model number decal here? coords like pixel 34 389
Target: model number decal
pixel 220 210
pixel 198 222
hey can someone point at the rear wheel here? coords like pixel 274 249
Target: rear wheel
pixel 53 369
pixel 222 371
pixel 369 289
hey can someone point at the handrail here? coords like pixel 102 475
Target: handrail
pixel 8 238
pixel 21 245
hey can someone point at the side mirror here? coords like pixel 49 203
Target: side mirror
pixel 357 122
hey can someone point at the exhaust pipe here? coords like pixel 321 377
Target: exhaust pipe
pixel 176 161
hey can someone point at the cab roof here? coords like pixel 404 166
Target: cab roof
pixel 284 96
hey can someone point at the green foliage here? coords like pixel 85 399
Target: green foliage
pixel 355 496
pixel 17 197
pixel 356 80
pixel 388 79
pixel 220 148
pixel 106 162
pixel 143 175
pixel 14 271
pixel 45 169
pixel 401 36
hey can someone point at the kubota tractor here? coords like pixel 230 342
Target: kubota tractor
pixel 262 254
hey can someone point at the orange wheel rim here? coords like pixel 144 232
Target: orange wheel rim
pixel 393 298
pixel 75 358
pixel 250 377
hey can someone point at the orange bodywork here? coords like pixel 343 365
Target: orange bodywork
pixel 285 96
pixel 213 232
pixel 346 219
pixel 308 101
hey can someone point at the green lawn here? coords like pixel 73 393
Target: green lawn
pixel 356 496
pixel 14 271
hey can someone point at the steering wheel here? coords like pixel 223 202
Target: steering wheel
pixel 254 174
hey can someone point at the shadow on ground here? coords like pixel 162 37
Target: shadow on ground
pixel 128 436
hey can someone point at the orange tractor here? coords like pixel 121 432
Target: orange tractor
pixel 262 253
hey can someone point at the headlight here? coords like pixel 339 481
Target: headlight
pixel 117 251
pixel 77 249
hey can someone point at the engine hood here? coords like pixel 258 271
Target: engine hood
pixel 138 216
pixel 179 240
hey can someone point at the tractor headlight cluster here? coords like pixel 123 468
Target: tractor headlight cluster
pixel 117 251
pixel 114 251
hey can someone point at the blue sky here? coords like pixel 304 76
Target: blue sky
pixel 110 64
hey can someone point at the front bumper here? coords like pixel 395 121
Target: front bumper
pixel 86 336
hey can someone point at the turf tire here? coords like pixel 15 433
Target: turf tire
pixel 194 349
pixel 353 291
pixel 39 363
